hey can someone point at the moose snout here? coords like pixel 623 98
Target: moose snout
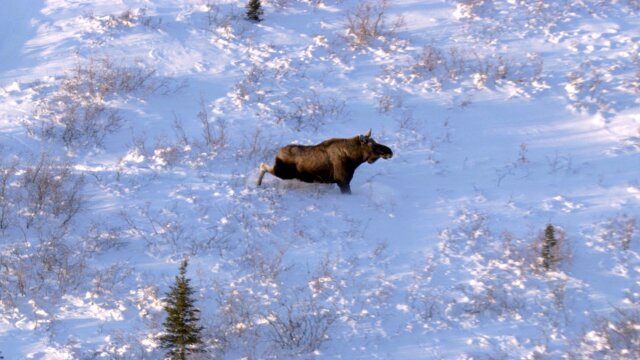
pixel 383 151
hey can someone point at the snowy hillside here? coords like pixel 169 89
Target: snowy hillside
pixel 131 132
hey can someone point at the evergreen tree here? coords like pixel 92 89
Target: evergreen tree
pixel 182 329
pixel 549 248
pixel 254 10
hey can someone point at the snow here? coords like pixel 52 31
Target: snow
pixel 504 116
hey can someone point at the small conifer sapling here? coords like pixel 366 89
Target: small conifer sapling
pixel 254 10
pixel 549 248
pixel 182 330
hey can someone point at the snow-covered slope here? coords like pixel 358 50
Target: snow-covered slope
pixel 131 133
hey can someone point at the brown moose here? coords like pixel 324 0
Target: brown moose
pixel 331 161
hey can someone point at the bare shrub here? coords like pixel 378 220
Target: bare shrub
pixel 388 102
pixel 430 62
pixel 162 227
pixel 616 336
pixel 248 88
pixel 435 69
pixel 302 318
pixel 411 133
pixel 165 155
pixel 520 166
pixel 368 22
pixel 618 232
pixel 102 238
pixel 471 8
pixel 164 230
pixel 297 323
pixel 44 269
pixel 302 325
pixel 180 134
pixel 497 17
pixel 310 111
pixel 587 90
pixel 456 62
pixel 44 195
pixel 163 152
pixel 79 111
pixel 427 302
pixel 235 321
pixel 127 19
pixel 118 340
pixel 486 279
pixel 59 261
pixel 227 24
pixel 634 82
pixel 559 162
pixel 50 189
pixel 256 145
pixel 213 132
pixel 262 318
pixel 213 13
pixel 281 4
pixel 634 5
pixel 8 200
pixel 523 159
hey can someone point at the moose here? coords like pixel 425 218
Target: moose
pixel 332 161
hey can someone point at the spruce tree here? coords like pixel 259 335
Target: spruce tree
pixel 549 248
pixel 182 329
pixel 254 10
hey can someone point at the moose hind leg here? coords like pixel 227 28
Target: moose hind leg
pixel 264 168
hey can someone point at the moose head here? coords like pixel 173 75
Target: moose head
pixel 371 150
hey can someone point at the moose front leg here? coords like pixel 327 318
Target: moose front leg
pixel 343 178
pixel 345 188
